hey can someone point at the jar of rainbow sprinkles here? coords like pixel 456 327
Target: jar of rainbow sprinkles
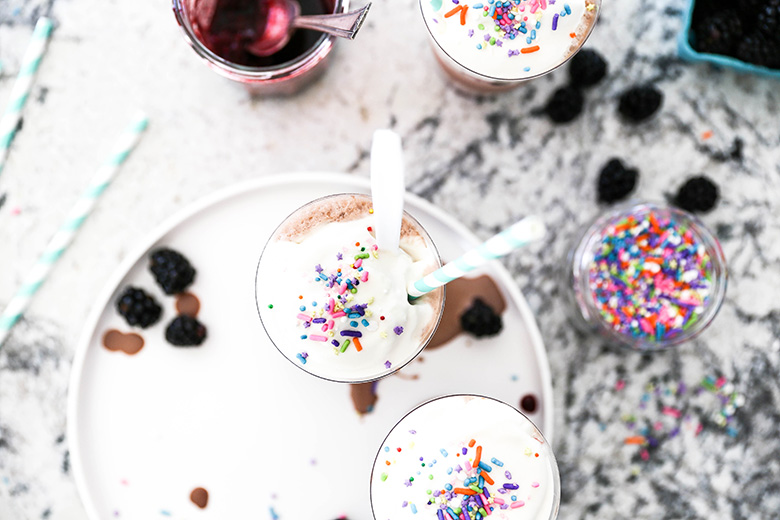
pixel 646 276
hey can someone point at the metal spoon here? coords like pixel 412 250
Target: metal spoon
pixel 284 16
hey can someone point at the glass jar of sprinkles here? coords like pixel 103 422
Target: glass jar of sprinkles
pixel 646 276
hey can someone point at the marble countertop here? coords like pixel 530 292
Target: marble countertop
pixel 486 160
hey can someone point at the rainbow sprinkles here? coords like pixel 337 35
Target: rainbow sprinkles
pixel 471 490
pixel 511 39
pixel 340 284
pixel 651 276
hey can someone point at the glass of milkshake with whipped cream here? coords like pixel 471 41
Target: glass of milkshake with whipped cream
pixel 465 457
pixel 334 303
pixel 488 46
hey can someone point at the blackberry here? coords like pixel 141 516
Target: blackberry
pixel 640 102
pixel 185 331
pixel 587 68
pixel 768 20
pixel 708 6
pixel 718 33
pixel 747 12
pixel 481 320
pixel 698 194
pixel 616 181
pixel 138 308
pixel 565 104
pixel 173 272
pixel 758 49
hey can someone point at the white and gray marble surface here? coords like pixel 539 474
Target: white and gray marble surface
pixel 486 160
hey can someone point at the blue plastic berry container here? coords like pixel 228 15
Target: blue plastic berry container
pixel 688 53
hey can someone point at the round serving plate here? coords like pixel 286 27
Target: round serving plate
pixel 236 418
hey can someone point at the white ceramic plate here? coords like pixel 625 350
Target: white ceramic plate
pixel 234 416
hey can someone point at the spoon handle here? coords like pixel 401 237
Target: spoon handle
pixel 344 25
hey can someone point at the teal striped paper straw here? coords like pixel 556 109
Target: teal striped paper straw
pixel 21 89
pixel 520 234
pixel 73 222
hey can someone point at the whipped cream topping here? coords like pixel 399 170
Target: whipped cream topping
pixel 336 304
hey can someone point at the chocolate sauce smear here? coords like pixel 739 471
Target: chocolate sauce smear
pixel 461 294
pixel 200 497
pixel 188 304
pixel 363 397
pixel 130 343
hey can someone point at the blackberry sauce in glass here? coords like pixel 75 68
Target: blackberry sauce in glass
pixel 228 27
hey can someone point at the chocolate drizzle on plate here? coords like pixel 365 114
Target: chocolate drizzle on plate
pixel 187 304
pixel 200 497
pixel 364 396
pixel 130 343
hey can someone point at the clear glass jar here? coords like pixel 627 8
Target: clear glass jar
pixel 645 300
pixel 468 77
pixel 283 79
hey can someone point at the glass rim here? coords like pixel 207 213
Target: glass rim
pixel 321 48
pixel 494 79
pixel 440 290
pixel 580 271
pixel 553 461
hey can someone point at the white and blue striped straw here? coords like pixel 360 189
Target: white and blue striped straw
pixel 22 86
pixel 73 222
pixel 520 234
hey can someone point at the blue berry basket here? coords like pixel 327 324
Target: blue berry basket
pixel 688 53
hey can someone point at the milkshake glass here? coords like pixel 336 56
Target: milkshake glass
pixel 488 47
pixel 465 457
pixel 335 304
pixel 283 73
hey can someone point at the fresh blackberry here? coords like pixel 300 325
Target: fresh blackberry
pixel 640 102
pixel 587 68
pixel 616 181
pixel 185 331
pixel 747 10
pixel 565 104
pixel 705 7
pixel 698 194
pixel 481 320
pixel 138 308
pixel 172 271
pixel 758 49
pixel 768 20
pixel 718 33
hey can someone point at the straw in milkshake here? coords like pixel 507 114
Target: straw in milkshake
pixel 520 234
